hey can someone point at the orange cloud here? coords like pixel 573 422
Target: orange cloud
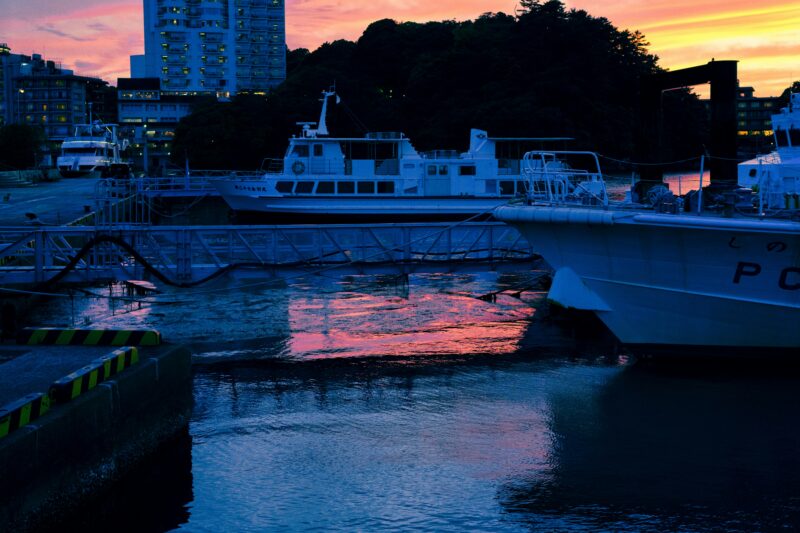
pixel 98 36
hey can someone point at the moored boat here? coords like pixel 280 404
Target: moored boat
pixel 93 151
pixel 664 280
pixel 776 176
pixel 379 176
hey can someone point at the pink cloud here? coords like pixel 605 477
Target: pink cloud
pixel 97 36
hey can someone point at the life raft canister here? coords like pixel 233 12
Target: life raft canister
pixel 298 167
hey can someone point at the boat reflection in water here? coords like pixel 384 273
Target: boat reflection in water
pixel 667 451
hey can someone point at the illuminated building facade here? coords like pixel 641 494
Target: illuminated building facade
pixel 220 47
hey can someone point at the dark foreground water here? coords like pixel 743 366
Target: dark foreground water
pixel 365 404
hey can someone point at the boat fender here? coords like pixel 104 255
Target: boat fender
pixel 298 167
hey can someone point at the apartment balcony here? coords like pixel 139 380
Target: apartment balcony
pixel 175 37
pixel 211 37
pixel 176 60
pixel 214 73
pixel 175 84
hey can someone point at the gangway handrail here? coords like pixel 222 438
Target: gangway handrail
pixel 182 253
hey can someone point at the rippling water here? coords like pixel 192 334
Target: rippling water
pixel 367 403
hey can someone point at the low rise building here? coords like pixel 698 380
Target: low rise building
pixel 754 122
pixel 39 92
pixel 148 117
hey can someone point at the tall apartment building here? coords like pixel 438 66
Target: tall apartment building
pixel 215 46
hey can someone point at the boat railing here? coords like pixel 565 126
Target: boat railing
pixel 776 190
pixel 196 181
pixel 551 179
pixel 441 154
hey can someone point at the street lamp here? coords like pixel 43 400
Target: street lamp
pixel 19 119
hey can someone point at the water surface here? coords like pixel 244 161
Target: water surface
pixel 370 403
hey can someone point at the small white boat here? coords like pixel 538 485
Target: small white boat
pixel 776 176
pixel 93 151
pixel 381 175
pixel 664 280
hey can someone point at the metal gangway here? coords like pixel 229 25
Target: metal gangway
pixel 187 255
pixel 186 184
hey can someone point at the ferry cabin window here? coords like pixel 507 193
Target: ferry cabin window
pixel 304 187
pixel 284 186
pixel 506 188
pixel 431 170
pixel 385 187
pixel 366 187
pixel 317 150
pixel 781 138
pixel 794 137
pixel 325 187
pixel 467 170
pixel 443 170
pixel 346 187
pixel 301 150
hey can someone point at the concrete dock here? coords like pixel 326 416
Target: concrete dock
pixel 54 203
pixel 78 448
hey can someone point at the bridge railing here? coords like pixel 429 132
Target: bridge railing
pixel 183 254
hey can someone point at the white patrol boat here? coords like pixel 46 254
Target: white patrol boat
pixel 776 176
pixel 93 150
pixel 380 176
pixel 724 280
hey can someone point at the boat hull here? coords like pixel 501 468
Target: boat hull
pixel 336 208
pixel 673 281
pixel 69 173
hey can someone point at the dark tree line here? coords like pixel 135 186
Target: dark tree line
pixel 20 146
pixel 548 71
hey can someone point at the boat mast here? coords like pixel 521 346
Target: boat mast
pixel 322 128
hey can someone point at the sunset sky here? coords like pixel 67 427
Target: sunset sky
pixel 96 36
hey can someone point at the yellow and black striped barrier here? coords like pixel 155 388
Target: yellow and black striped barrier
pixel 88 377
pixel 22 412
pixel 89 337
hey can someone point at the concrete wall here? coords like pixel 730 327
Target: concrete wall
pixel 77 450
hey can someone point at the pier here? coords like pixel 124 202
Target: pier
pixel 75 418
pixel 182 254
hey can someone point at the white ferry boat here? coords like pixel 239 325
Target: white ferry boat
pixel 93 150
pixel 379 176
pixel 724 281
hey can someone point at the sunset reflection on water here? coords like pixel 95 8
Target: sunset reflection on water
pixel 322 318
pixel 370 325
